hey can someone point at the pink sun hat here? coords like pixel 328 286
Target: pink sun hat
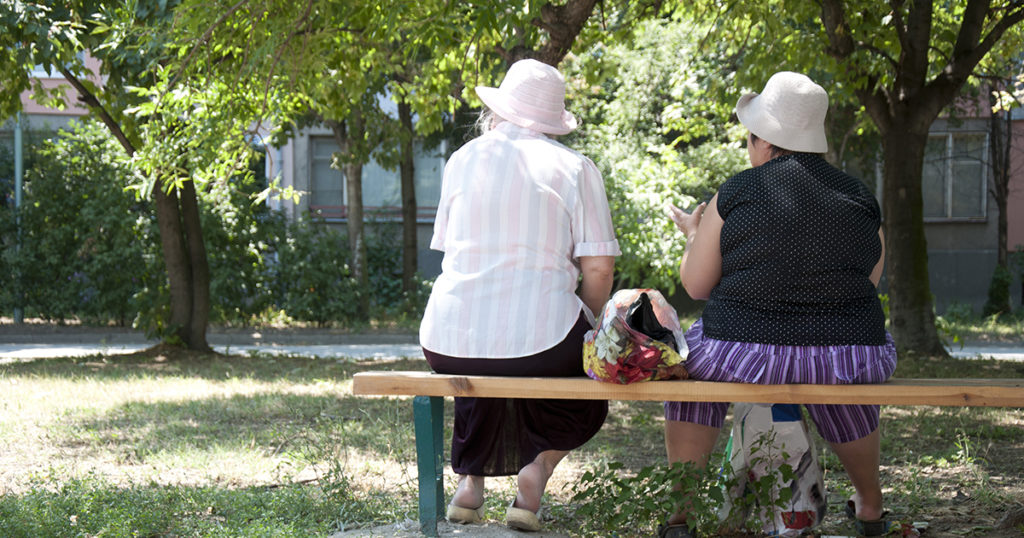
pixel 532 95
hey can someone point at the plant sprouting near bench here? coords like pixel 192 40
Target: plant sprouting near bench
pixel 616 503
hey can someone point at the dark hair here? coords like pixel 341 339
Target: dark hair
pixel 776 150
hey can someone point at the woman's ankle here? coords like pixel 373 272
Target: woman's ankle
pixel 470 492
pixel 868 507
pixel 532 481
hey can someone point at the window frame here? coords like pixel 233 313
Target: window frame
pixel 388 213
pixel 948 179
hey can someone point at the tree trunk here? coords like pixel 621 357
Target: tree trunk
pixel 200 268
pixel 1000 140
pixel 409 246
pixel 188 272
pixel 179 271
pixel 354 191
pixel 563 23
pixel 910 299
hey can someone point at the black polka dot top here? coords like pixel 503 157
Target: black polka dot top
pixel 798 246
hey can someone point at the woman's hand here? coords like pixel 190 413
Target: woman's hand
pixel 687 222
pixel 701 266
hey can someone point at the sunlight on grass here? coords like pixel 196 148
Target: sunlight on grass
pixel 279 446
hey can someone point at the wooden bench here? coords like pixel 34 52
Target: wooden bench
pixel 429 390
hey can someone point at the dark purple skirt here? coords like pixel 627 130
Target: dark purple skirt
pixel 500 436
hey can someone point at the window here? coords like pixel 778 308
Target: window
pixel 953 181
pixel 326 184
pixel 41 72
pixel 382 188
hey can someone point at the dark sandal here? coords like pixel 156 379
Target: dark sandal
pixel 680 530
pixel 878 527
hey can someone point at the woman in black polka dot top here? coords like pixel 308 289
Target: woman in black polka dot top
pixel 788 255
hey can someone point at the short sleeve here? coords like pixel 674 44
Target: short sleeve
pixel 729 193
pixel 592 230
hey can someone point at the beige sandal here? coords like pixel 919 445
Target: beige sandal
pixel 521 519
pixel 458 514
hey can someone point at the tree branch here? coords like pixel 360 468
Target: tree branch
pixel 897 21
pixel 912 76
pixel 90 101
pixel 971 27
pixel 967 56
pixel 202 41
pixel 876 103
pixel 563 24
pixel 837 28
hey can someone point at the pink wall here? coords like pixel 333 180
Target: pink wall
pixel 1015 203
pixel 71 96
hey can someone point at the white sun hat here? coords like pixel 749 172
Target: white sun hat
pixel 532 95
pixel 789 113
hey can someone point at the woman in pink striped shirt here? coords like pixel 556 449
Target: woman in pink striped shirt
pixel 520 220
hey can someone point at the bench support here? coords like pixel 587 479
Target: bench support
pixel 428 415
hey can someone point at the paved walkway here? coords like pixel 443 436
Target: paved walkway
pixel 33 342
pixel 51 342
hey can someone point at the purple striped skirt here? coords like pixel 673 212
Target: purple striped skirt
pixel 771 364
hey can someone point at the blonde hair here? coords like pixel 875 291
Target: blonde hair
pixel 487 120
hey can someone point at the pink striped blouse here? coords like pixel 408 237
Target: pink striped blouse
pixel 517 209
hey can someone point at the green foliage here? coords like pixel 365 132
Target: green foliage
pixel 635 505
pixel 313 277
pixel 653 124
pixel 761 495
pixel 82 236
pixel 614 503
pixel 90 250
pixel 94 507
pixel 998 301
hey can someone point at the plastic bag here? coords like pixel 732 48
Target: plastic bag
pixel 766 436
pixel 636 339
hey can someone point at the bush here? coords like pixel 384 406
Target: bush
pixel 650 123
pixel 82 235
pixel 999 292
pixel 90 250
pixel 313 279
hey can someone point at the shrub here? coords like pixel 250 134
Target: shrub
pixel 999 292
pixel 90 250
pixel 313 280
pixel 81 235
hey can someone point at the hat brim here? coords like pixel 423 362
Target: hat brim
pixel 754 117
pixel 502 105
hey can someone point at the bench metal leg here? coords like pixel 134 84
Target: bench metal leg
pixel 428 415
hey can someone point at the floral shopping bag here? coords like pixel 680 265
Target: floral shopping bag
pixel 637 339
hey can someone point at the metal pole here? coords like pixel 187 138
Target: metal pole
pixel 19 168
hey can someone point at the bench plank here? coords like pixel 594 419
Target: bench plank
pixel 943 392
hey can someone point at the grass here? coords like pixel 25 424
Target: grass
pixel 164 443
pixel 961 324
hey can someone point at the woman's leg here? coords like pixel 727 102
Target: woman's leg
pixel 688 442
pixel 533 478
pixel 852 430
pixel 470 493
pixel 861 458
pixel 541 430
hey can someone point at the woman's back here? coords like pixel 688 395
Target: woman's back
pixel 515 208
pixel 799 242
